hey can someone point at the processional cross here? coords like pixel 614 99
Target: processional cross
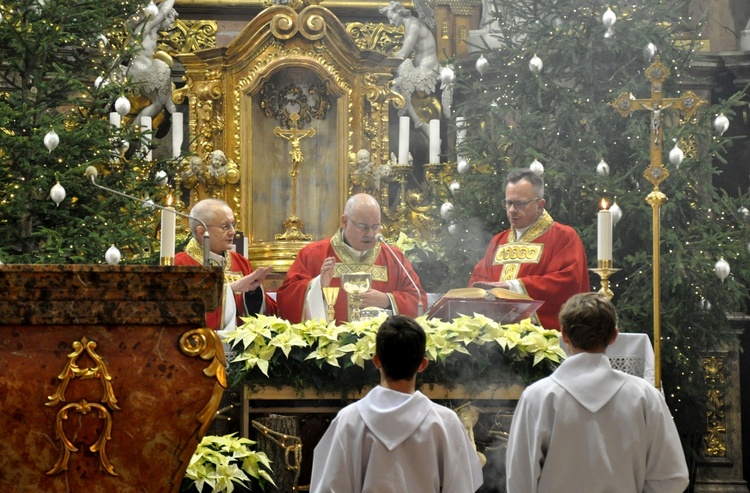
pixel 293 224
pixel 656 173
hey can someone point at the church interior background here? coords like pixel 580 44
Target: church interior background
pixel 251 78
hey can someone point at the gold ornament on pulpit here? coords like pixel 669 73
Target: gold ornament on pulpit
pixel 293 224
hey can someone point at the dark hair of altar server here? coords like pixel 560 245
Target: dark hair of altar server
pixel 400 345
pixel 590 321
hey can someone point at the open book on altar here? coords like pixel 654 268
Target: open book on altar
pixel 501 305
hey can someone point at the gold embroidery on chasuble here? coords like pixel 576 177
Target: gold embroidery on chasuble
pixel 514 253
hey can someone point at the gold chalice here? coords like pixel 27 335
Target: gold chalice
pixel 331 294
pixel 356 284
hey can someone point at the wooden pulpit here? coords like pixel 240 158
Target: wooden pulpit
pixel 109 377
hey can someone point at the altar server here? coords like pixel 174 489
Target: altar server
pixel 395 439
pixel 590 428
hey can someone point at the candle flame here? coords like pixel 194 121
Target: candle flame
pixel 604 204
pixel 169 199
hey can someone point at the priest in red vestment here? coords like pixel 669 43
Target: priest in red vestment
pixel 354 248
pixel 243 294
pixel 536 256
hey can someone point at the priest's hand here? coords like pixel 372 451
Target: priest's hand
pixel 491 285
pixel 326 271
pixel 376 298
pixel 252 281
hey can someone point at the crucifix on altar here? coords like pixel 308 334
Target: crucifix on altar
pixel 293 224
pixel 656 173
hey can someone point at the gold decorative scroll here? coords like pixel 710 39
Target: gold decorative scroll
pixel 715 439
pixel 71 372
pixel 525 253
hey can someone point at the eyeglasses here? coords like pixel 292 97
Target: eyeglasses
pixel 224 227
pixel 364 227
pixel 518 204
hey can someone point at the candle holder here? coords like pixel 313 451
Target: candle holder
pixel 356 284
pixel 604 270
pixel 331 294
pixel 166 260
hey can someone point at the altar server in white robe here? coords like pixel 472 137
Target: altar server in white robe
pixel 395 439
pixel 588 428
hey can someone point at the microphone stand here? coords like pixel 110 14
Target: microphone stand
pixel 206 237
pixel 420 307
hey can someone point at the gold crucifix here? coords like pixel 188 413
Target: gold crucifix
pixel 293 224
pixel 656 173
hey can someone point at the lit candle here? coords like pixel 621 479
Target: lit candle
pixel 168 218
pixel 434 141
pixel 146 131
pixel 604 230
pixel 403 140
pixel 114 119
pixel 460 130
pixel 176 133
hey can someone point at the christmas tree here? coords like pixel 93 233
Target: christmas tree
pixel 62 68
pixel 539 91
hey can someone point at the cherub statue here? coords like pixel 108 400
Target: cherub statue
pixel 217 168
pixel 195 174
pixel 422 73
pixel 149 70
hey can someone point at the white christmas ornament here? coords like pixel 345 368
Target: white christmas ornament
pixel 616 212
pixel 705 304
pixel 446 211
pixel 721 269
pixel 482 64
pixel 676 156
pixel 463 166
pixel 161 177
pixel 536 65
pixel 113 255
pixel 51 140
pixel 537 168
pixel 721 123
pixel 744 212
pixel 57 193
pixel 609 18
pixel 98 82
pixel 602 169
pixel 453 228
pixel 649 52
pixel 454 187
pixel 151 10
pixel 447 76
pixel 122 105
pixel 148 204
pixel 124 145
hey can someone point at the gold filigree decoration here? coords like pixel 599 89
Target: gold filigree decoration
pixel 715 440
pixel 376 37
pixel 188 36
pixel 70 372
pixel 525 253
pixel 280 103
pixel 379 272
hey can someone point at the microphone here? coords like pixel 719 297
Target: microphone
pixel 420 307
pixel 92 173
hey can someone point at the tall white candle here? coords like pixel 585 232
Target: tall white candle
pixel 403 140
pixel 460 129
pixel 604 233
pixel 146 131
pixel 114 119
pixel 434 141
pixel 168 219
pixel 177 120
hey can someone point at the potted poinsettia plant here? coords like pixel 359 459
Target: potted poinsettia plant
pixel 227 464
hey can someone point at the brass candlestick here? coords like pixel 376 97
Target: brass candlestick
pixel 604 270
pixel 331 294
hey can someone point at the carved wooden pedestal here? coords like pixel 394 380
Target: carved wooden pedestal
pixel 108 378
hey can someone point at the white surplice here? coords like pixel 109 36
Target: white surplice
pixel 589 428
pixel 395 442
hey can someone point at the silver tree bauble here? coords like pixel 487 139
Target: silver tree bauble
pixel 721 269
pixel 113 256
pixel 453 228
pixel 57 193
pixel 649 52
pixel 482 64
pixel 537 168
pixel 616 212
pixel 676 156
pixel 51 140
pixel 536 65
pixel 446 211
pixel 151 10
pixel 463 166
pixel 721 123
pixel 454 187
pixel 161 177
pixel 705 304
pixel 122 105
pixel 609 18
pixel 744 212
pixel 447 75
pixel 602 169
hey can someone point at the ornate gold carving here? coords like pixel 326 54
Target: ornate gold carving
pixel 376 37
pixel 277 102
pixel 715 439
pixel 379 272
pixel 525 253
pixel 70 372
pixel 188 36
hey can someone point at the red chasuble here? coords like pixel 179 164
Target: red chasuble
pixel 235 267
pixel 387 277
pixel 548 260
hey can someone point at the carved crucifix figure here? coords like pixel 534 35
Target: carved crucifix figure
pixel 625 104
pixel 293 224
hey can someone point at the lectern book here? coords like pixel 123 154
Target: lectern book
pixel 501 305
